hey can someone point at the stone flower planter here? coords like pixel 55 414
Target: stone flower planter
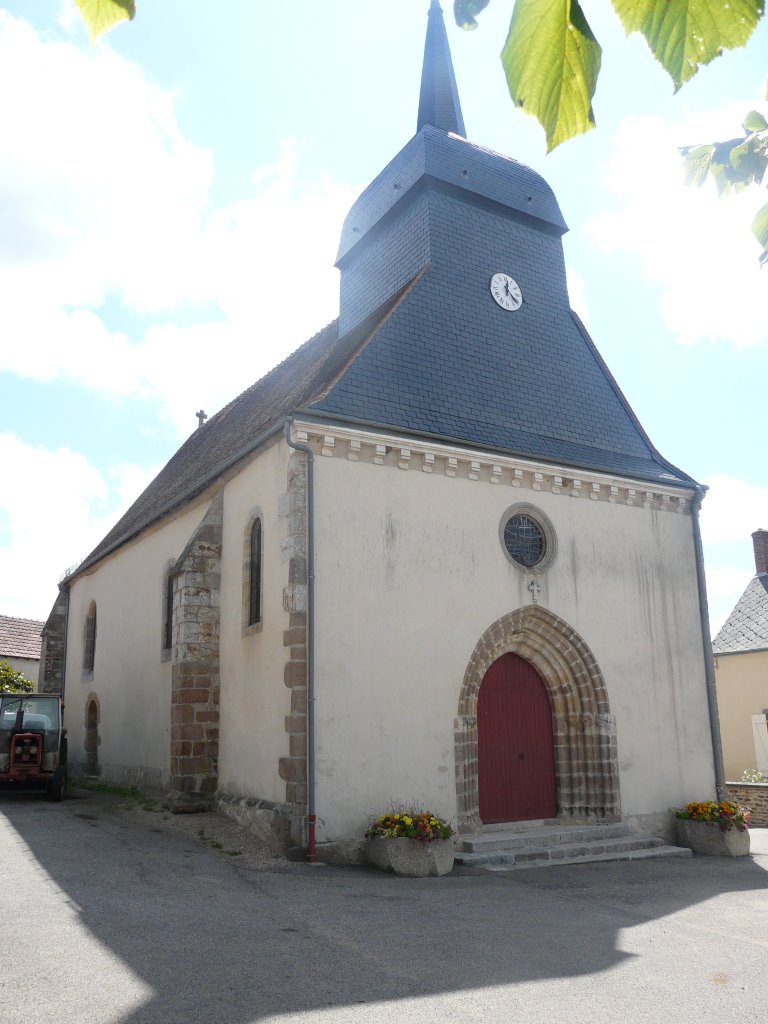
pixel 411 857
pixel 707 839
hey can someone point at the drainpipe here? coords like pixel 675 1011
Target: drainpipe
pixel 311 816
pixel 64 647
pixel 709 665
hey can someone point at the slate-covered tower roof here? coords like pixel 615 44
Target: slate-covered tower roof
pixel 439 98
pixel 420 346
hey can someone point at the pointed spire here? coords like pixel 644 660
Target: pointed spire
pixel 439 100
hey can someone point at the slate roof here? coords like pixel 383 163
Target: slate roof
pixel 20 638
pixel 746 628
pixel 541 393
pixel 370 376
pixel 435 155
pixel 439 98
pixel 240 427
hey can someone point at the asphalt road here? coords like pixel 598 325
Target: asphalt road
pixel 107 920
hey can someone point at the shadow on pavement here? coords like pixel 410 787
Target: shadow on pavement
pixel 210 938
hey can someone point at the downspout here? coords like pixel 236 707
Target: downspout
pixel 64 647
pixel 709 664
pixel 311 816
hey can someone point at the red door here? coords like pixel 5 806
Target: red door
pixel 516 764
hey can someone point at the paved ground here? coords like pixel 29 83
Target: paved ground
pixel 110 915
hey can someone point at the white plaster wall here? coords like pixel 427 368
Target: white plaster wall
pixel 742 691
pixel 410 573
pixel 130 679
pixel 254 699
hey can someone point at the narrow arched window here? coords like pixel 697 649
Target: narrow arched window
pixel 89 647
pixel 254 574
pixel 168 616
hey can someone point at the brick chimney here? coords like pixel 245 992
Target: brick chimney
pixel 760 540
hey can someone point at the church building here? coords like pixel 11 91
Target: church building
pixel 430 557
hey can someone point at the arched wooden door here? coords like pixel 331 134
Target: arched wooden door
pixel 516 764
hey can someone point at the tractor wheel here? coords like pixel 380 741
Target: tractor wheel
pixel 58 784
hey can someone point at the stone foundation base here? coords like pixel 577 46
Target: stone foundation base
pixel 271 822
pixel 122 775
pixel 186 803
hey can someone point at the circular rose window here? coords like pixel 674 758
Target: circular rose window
pixel 527 538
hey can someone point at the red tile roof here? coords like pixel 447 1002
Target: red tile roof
pixel 20 638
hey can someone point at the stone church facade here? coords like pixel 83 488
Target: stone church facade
pixel 432 556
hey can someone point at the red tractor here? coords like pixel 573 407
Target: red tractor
pixel 33 742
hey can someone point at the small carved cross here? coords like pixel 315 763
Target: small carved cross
pixel 201 418
pixel 534 588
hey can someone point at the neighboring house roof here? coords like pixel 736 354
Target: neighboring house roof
pixel 746 628
pixel 20 638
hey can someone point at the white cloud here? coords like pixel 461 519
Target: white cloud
pixel 698 249
pixel 732 510
pixel 101 197
pixel 725 585
pixel 37 547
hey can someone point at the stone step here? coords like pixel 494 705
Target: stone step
pixel 593 849
pixel 615 855
pixel 546 835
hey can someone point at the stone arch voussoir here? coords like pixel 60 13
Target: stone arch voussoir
pixel 586 763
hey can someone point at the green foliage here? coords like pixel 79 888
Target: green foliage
pixel 735 165
pixel 552 59
pixel 753 775
pixel 12 681
pixel 102 15
pixel 684 35
pixel 465 10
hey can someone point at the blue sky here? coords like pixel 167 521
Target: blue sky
pixel 159 192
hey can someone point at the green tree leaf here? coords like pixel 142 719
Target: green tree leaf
pixel 760 231
pixel 551 60
pixel 102 15
pixel 464 12
pixel 697 161
pixel 748 163
pixel 754 122
pixel 686 34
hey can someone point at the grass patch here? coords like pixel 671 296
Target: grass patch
pixel 234 853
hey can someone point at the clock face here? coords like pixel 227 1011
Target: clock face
pixel 506 291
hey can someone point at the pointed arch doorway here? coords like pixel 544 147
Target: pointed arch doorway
pixel 515 751
pixel 584 729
